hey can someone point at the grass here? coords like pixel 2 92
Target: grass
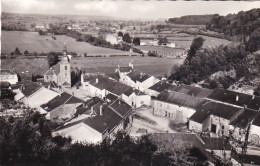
pixel 33 42
pixel 151 65
pixel 161 50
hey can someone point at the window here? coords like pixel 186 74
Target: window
pixel 47 77
pixel 213 128
pixel 65 67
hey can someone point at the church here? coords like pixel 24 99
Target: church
pixel 60 74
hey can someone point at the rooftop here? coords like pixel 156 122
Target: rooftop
pixel 31 88
pixel 138 76
pixel 193 91
pixel 207 108
pixel 121 107
pixel 256 121
pixel 161 86
pixel 243 119
pixel 125 69
pixel 235 98
pixel 179 99
pixel 6 72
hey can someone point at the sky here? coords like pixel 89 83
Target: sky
pixel 127 9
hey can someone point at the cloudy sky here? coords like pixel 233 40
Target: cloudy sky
pixel 127 9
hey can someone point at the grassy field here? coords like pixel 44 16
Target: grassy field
pixel 151 65
pixel 165 51
pixel 33 42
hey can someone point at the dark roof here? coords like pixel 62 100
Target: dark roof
pixel 110 97
pixel 50 72
pixel 103 82
pixel 207 108
pixel 179 99
pixel 193 91
pixel 253 160
pixel 125 69
pixel 64 98
pixel 108 120
pixel 4 85
pixel 256 121
pixel 244 118
pixel 85 108
pixel 121 107
pixel 161 86
pixel 31 88
pixel 114 76
pixel 120 89
pixel 231 96
pixel 215 144
pixel 138 76
pixel 89 77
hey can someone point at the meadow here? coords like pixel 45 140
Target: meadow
pixel 151 65
pixel 161 50
pixel 33 42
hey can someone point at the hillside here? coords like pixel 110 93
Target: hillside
pixel 245 26
pixel 192 20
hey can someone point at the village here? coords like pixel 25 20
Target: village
pixel 138 103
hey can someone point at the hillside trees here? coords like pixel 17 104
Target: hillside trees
pixel 127 38
pixel 136 41
pixel 53 59
pixel 196 44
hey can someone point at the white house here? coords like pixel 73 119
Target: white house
pixel 174 105
pixel 35 95
pixel 8 76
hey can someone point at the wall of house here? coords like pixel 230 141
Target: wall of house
pixel 172 111
pixel 195 126
pixel 12 78
pixel 254 134
pixel 142 100
pixel 148 83
pixel 206 124
pixel 222 125
pixel 49 78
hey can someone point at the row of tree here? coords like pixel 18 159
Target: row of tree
pixel 126 38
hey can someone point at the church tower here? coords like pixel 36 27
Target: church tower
pixel 65 74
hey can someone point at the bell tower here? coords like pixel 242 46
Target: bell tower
pixel 65 74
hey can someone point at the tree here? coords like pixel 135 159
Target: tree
pixel 26 53
pixel 17 51
pixel 127 38
pixel 163 41
pixel 196 44
pixel 136 41
pixel 53 59
pixel 120 34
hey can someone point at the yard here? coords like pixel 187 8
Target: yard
pixel 151 65
pixel 33 42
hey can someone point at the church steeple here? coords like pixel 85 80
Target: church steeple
pixel 64 50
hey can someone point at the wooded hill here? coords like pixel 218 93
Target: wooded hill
pixel 192 19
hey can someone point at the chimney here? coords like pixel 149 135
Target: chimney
pixel 237 97
pixel 101 110
pixel 245 106
pixel 119 102
pixel 96 80
pixel 253 97
pixel 131 65
pixel 92 110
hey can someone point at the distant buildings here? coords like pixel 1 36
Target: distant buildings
pixel 8 76
pixel 60 73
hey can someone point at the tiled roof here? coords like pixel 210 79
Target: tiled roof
pixel 114 76
pixel 64 98
pixel 31 88
pixel 108 120
pixel 256 121
pixel 138 76
pixel 244 118
pixel 230 97
pixel 215 144
pixel 121 107
pixel 110 97
pixel 193 91
pixel 179 99
pixel 207 108
pixel 161 86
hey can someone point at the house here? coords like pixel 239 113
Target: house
pixel 174 105
pixel 213 118
pixel 62 107
pixel 254 133
pixel 104 120
pixel 100 86
pixel 235 99
pixel 193 91
pixel 139 80
pixel 60 73
pixel 35 95
pixel 8 76
pixel 123 71
pixel 157 88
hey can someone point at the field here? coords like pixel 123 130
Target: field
pixel 33 42
pixel 165 51
pixel 151 65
